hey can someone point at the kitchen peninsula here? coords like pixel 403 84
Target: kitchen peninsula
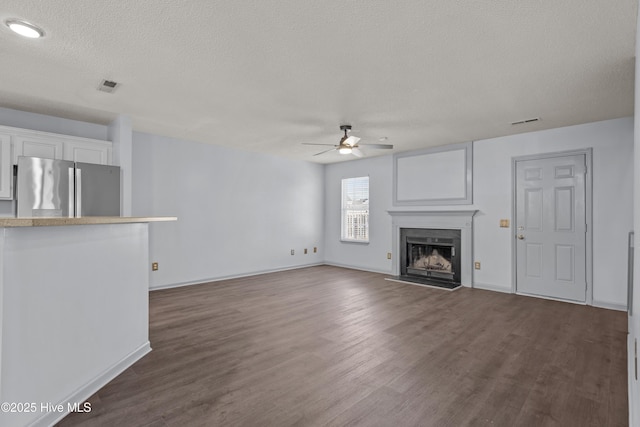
pixel 74 310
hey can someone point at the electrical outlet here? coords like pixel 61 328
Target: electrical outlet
pixel 305 251
pixel 293 252
pixel 315 249
pixel 477 265
pixel 154 266
pixel 388 255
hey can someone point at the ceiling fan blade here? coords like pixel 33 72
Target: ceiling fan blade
pixel 325 151
pixel 357 152
pixel 351 141
pixel 385 146
pixel 312 143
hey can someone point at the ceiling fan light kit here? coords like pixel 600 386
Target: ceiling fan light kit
pixel 350 144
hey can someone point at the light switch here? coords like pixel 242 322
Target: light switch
pixel 504 223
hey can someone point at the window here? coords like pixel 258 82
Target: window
pixel 355 209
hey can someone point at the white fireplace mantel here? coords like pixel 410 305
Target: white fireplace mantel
pixel 453 219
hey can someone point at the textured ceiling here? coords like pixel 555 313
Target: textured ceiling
pixel 267 75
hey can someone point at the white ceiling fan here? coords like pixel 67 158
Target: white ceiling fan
pixel 349 144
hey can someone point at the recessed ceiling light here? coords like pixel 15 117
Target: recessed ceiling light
pixel 24 28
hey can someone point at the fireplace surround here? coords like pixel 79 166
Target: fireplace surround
pixel 441 223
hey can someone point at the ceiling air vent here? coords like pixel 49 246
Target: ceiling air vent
pixel 521 122
pixel 108 86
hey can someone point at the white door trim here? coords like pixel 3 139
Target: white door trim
pixel 588 153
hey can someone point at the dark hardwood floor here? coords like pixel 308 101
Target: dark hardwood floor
pixel 330 346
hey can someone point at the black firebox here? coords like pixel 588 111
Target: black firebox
pixel 430 256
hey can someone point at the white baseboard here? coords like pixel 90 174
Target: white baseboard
pixel 598 304
pixel 233 276
pixel 609 305
pixel 522 294
pixel 86 391
pixel 257 273
pixel 487 287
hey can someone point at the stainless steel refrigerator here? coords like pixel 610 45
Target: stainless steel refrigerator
pixel 61 188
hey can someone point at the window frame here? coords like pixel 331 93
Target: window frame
pixel 344 210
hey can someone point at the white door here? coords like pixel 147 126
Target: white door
pixel 551 227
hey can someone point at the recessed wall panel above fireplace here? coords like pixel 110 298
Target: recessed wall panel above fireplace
pixel 437 176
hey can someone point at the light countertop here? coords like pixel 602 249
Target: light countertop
pixel 87 220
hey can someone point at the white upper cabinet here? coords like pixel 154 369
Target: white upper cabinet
pixel 88 152
pixel 6 168
pixel 37 146
pixel 54 146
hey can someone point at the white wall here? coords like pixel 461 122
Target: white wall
pixel 238 212
pixel 120 133
pixel 371 256
pixel 612 143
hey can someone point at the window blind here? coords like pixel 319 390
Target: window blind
pixel 355 209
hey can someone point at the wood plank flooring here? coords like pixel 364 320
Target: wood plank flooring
pixel 326 346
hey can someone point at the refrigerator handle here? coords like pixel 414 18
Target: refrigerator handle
pixel 78 192
pixel 70 214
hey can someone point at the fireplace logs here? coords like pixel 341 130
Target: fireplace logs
pixel 435 261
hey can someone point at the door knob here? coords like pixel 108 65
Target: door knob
pixel 520 236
